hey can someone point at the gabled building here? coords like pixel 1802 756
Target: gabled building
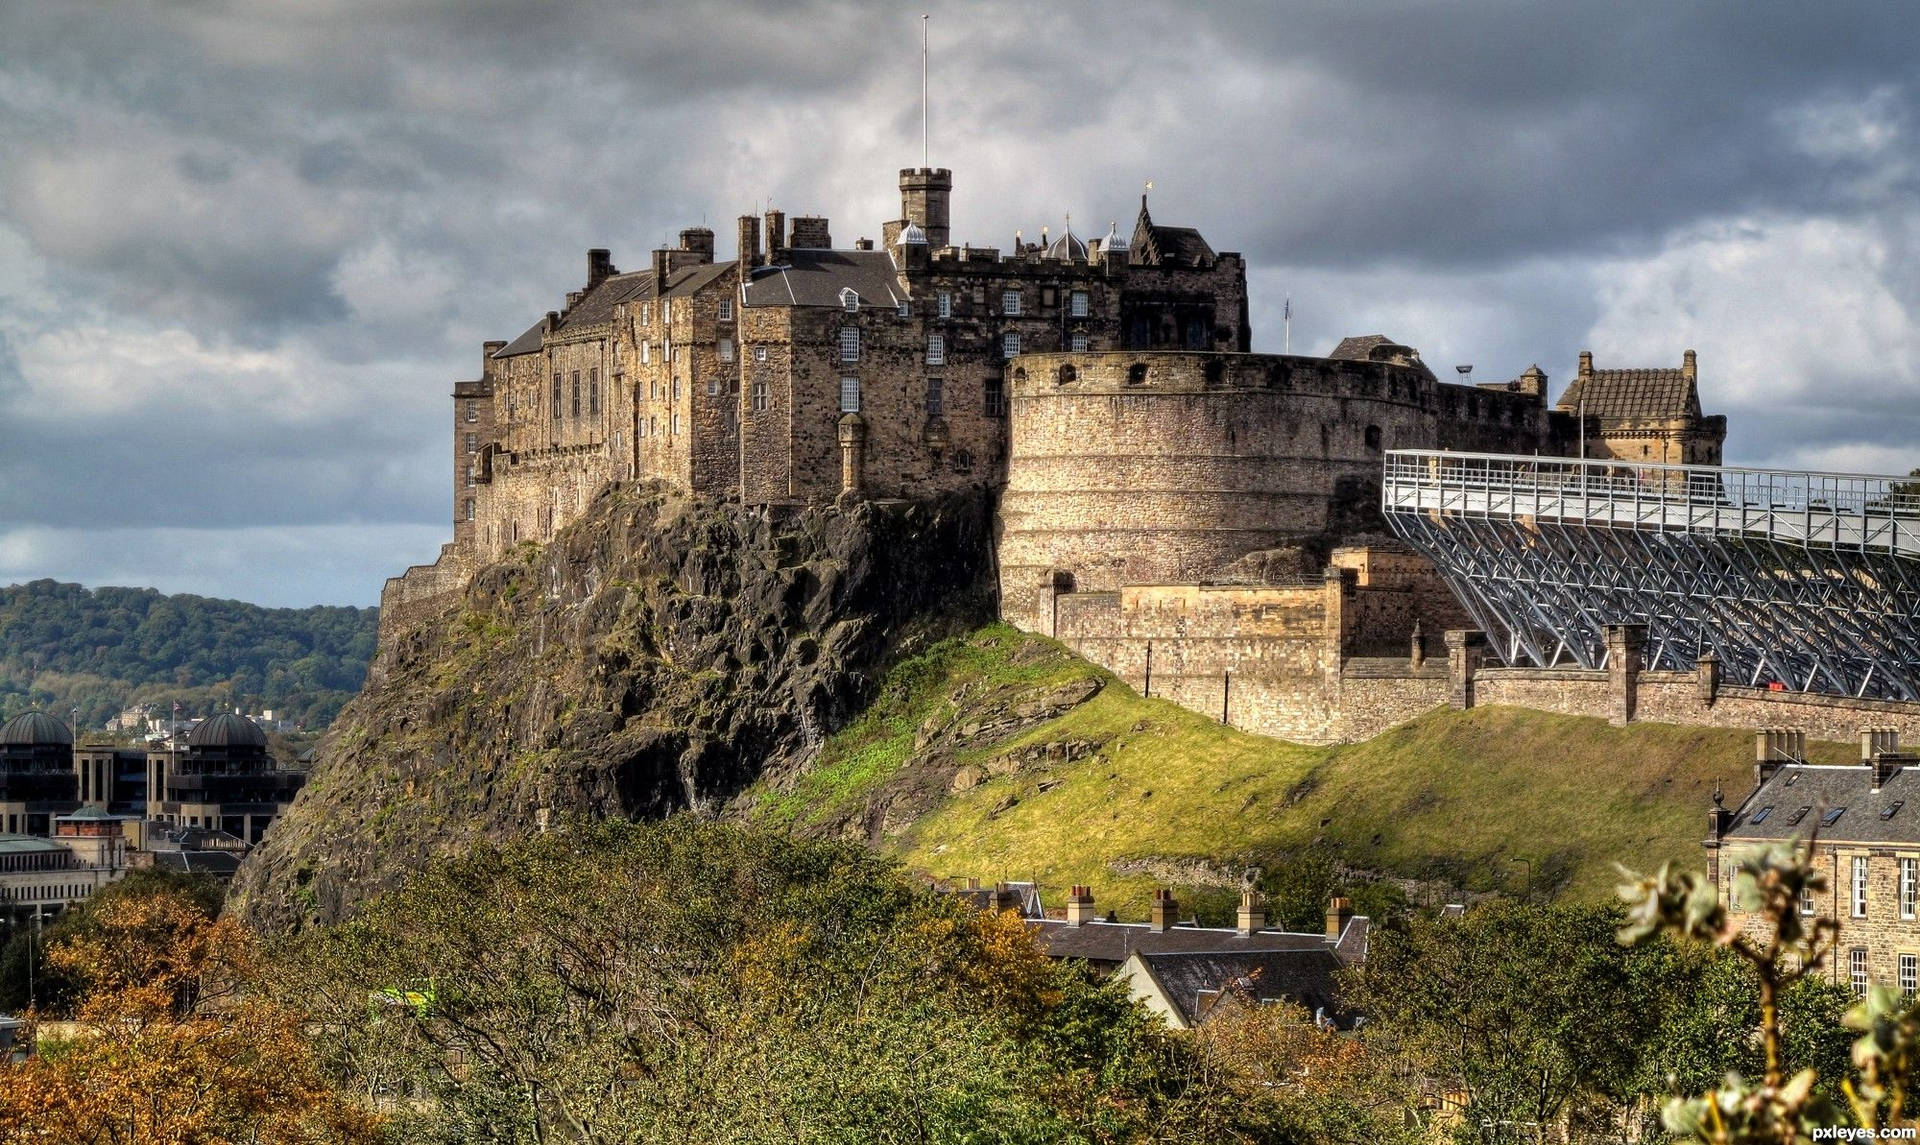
pixel 1641 414
pixel 1181 970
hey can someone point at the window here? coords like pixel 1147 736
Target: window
pixel 1860 886
pixel 1806 898
pixel 473 443
pixel 759 353
pixel 472 410
pixel 1857 969
pixel 936 350
pixel 903 310
pixel 469 508
pixel 676 389
pixel 945 299
pixel 1077 305
pixel 726 349
pixel 1010 345
pixel 646 353
pixel 1909 876
pixel 676 423
pixel 1373 442
pixel 646 312
pixel 1009 302
pixel 996 396
pixel 760 398
pixel 470 480
pixel 849 343
pixel 713 385
pixel 556 397
pixel 1832 817
pixel 593 392
pixel 1077 342
pixel 726 310
pixel 576 395
pixel 849 395
pixel 1909 975
pixel 849 300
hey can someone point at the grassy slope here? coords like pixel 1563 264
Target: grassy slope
pixel 1494 798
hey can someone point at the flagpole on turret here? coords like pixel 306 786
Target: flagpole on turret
pixel 926 136
pixel 1287 346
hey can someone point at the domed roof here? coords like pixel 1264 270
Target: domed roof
pixel 227 730
pixel 1068 246
pixel 913 235
pixel 1113 243
pixel 33 729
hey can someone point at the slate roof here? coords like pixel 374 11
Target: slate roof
pixel 526 343
pixel 1192 982
pixel 596 308
pixel 1154 243
pixel 219 864
pixel 1822 788
pixel 816 278
pixel 1633 394
pixel 1115 942
pixel 1360 348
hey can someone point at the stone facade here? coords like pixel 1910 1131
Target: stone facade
pixel 1644 415
pixel 1867 845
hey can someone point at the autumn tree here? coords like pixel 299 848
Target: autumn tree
pixel 169 1043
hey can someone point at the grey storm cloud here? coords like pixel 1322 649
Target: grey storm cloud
pixel 246 247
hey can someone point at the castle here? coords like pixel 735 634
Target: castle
pixel 1158 483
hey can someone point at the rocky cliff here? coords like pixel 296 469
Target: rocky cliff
pixel 660 654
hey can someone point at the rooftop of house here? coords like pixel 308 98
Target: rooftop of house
pixel 1194 982
pixel 1842 802
pixel 1632 394
pixel 820 278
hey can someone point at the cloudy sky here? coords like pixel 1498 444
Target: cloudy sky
pixel 245 248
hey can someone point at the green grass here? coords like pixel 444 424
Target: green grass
pixel 922 688
pixel 1491 799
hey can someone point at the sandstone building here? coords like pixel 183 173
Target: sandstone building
pixel 1867 820
pixel 1170 504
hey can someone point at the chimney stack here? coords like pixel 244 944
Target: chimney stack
pixel 776 237
pixel 1166 910
pixel 1080 906
pixel 698 240
pixel 749 242
pixel 599 266
pixel 1253 914
pixel 1586 363
pixel 809 232
pixel 1339 913
pixel 1690 366
pixel 660 267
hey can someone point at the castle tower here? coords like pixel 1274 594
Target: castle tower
pixel 924 196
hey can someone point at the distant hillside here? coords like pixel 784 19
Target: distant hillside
pixel 1003 756
pixel 64 646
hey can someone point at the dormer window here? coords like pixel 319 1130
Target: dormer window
pixel 903 310
pixel 849 299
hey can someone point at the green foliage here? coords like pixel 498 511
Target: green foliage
pixel 63 646
pixel 688 981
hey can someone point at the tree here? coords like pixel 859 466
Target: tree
pixel 172 1048
pixel 685 981
pixel 1762 927
pixel 1526 1009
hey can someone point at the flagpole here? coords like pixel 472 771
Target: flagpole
pixel 926 145
pixel 1287 347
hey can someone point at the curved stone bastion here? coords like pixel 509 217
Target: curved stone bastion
pixel 1163 468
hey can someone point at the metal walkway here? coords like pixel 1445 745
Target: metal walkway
pixel 1807 580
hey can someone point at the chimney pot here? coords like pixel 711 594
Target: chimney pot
pixel 1166 911
pixel 1252 915
pixel 1339 913
pixel 1080 906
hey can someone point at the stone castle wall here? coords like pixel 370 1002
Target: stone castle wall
pixel 1163 468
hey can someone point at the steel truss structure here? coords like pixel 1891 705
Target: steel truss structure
pixel 1810 581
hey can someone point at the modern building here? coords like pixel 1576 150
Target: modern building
pixel 221 777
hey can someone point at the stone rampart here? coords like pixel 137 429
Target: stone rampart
pixel 420 592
